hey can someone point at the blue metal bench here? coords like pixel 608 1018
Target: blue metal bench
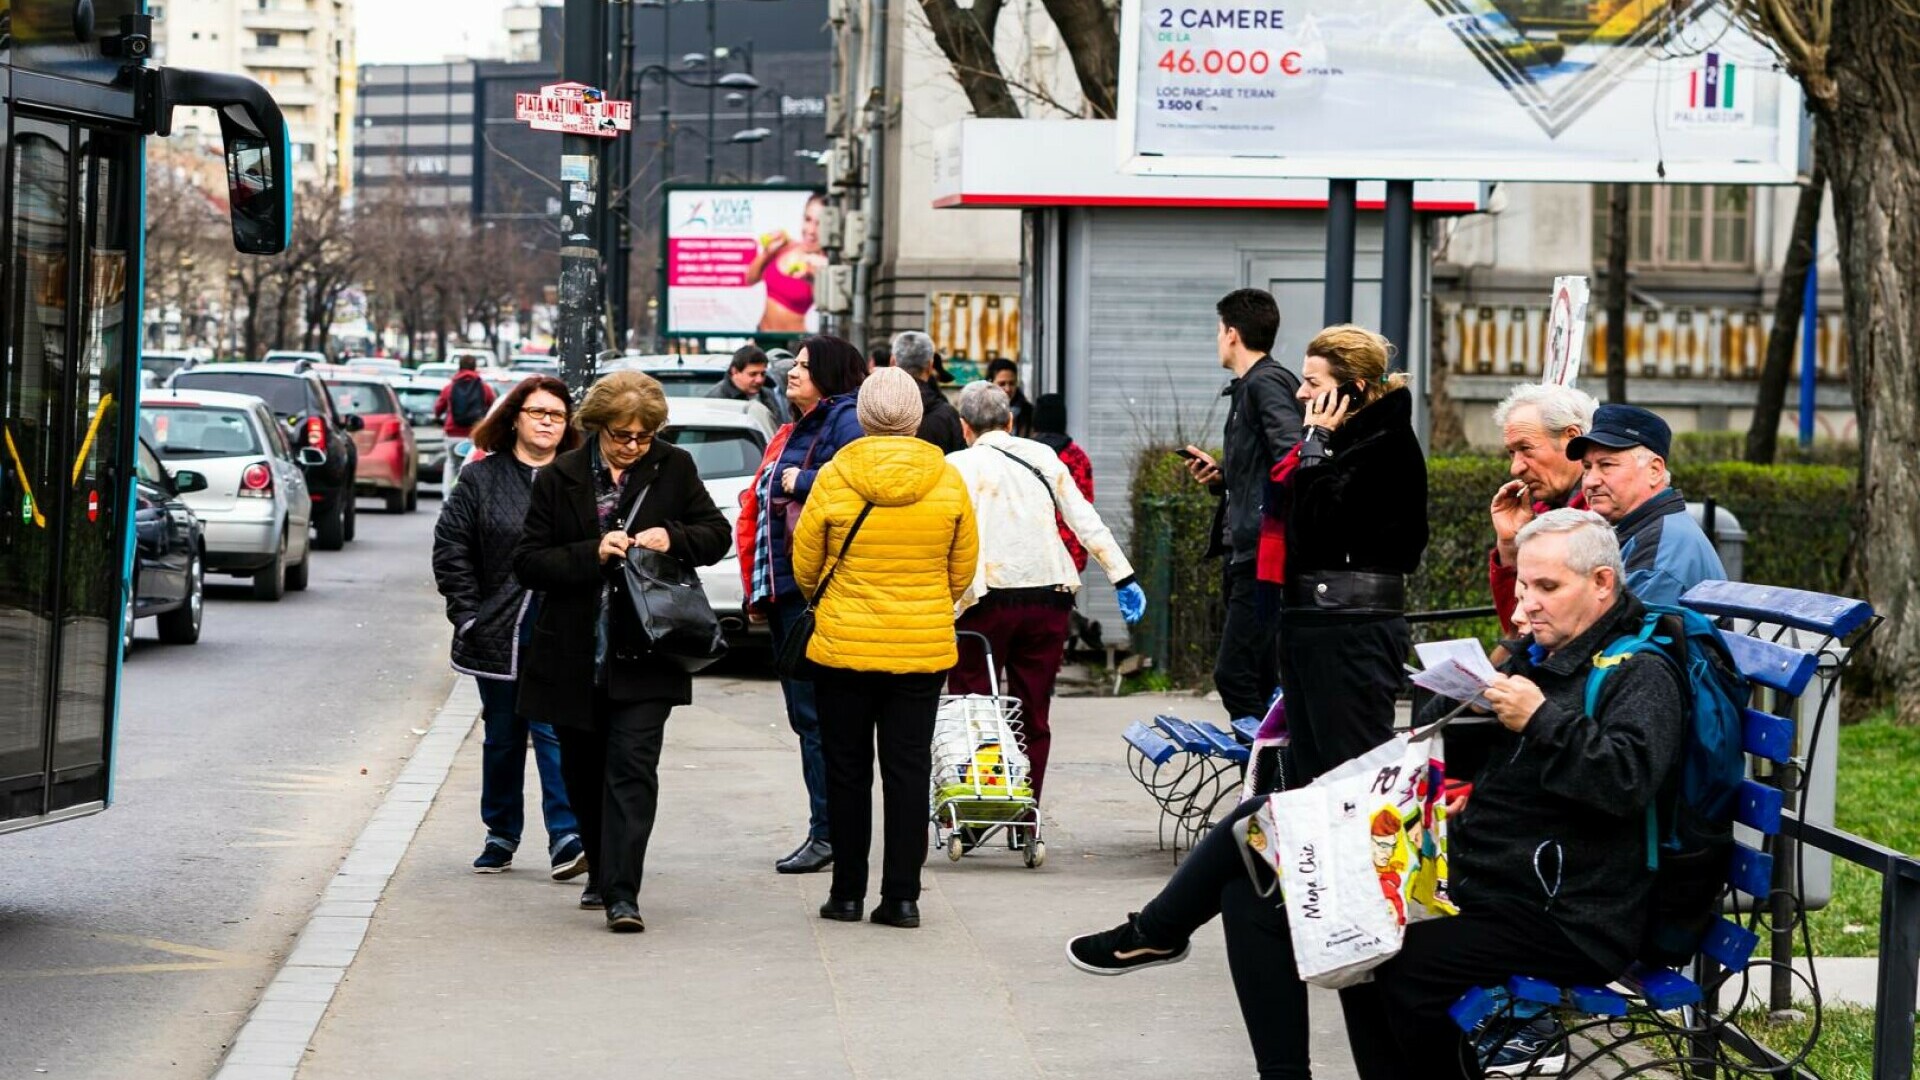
pixel 1188 768
pixel 1658 1019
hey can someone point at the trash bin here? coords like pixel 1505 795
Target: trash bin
pixel 1729 539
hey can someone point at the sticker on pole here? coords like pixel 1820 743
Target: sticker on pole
pixel 573 108
pixel 1566 331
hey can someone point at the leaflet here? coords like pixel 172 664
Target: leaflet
pixel 1457 669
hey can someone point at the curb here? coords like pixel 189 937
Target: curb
pixel 273 1042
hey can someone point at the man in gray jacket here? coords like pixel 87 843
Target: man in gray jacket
pixel 1263 423
pixel 914 354
pixel 746 380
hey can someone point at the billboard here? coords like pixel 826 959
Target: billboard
pixel 1649 91
pixel 743 261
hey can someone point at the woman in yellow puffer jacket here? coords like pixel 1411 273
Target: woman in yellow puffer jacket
pixel 883 637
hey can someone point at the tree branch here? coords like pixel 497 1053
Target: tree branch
pixel 1093 41
pixel 966 38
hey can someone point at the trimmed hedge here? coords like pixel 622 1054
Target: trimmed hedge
pixel 1709 447
pixel 1798 520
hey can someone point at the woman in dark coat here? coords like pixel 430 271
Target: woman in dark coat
pixel 588 669
pixel 1347 521
pixel 491 613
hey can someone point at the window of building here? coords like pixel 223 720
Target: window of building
pixel 1699 226
pixel 267 40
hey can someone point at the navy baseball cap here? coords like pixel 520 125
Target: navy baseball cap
pixel 1618 427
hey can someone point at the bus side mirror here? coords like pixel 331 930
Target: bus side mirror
pixel 259 159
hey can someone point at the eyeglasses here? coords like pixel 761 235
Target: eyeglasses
pixel 628 438
pixel 545 416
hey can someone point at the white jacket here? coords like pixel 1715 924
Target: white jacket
pixel 1020 546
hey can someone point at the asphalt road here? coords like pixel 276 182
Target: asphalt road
pixel 133 943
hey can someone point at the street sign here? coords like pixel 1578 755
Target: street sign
pixel 573 108
pixel 1566 331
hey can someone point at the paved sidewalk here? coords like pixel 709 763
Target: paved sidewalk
pixel 503 976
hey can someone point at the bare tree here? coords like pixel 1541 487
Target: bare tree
pixel 1763 434
pixel 1619 242
pixel 965 36
pixel 1859 63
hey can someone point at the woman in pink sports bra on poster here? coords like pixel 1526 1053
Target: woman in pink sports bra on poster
pixel 788 267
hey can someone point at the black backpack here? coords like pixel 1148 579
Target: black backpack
pixel 468 402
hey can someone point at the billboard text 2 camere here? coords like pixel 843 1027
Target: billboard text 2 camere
pixel 1566 90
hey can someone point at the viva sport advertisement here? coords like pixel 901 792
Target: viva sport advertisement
pixel 743 261
pixel 1588 90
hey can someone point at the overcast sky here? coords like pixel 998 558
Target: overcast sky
pixel 416 31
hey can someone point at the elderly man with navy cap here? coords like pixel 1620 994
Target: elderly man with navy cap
pixel 1625 456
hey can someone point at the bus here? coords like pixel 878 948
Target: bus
pixel 78 99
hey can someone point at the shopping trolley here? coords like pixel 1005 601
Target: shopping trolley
pixel 981 785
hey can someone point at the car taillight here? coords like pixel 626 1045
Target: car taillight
pixel 316 433
pixel 390 431
pixel 257 481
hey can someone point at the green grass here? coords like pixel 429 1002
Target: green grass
pixel 1878 797
pixel 1845 1050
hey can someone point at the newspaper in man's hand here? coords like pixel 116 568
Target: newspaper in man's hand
pixel 1456 669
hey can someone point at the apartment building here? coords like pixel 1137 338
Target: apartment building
pixel 302 51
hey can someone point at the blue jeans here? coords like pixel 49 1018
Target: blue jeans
pixel 804 717
pixel 503 771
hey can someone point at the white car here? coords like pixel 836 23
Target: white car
pixel 727 440
pixel 681 376
pixel 255 507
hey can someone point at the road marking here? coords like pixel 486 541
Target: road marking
pixel 199 959
pixel 271 1046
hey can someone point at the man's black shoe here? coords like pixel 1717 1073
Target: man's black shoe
pixel 590 898
pixel 1120 950
pixel 904 914
pixel 812 857
pixel 841 910
pixel 624 918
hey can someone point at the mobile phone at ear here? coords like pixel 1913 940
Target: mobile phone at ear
pixel 1352 392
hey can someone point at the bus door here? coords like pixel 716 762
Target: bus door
pixel 70 198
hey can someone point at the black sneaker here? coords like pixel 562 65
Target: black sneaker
pixel 493 859
pixel 1537 1049
pixel 1120 950
pixel 570 861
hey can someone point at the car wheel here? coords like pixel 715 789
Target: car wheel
pixel 352 513
pixel 297 573
pixel 270 581
pixel 330 531
pixel 397 502
pixel 126 621
pixel 181 626
pixel 413 497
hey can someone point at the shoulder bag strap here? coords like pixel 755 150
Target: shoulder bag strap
pixel 821 592
pixel 1037 475
pixel 634 510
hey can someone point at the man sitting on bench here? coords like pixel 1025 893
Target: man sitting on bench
pixel 1548 861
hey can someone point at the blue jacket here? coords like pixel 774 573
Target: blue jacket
pixel 1665 551
pixel 816 437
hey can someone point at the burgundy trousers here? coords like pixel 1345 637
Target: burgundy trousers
pixel 1029 641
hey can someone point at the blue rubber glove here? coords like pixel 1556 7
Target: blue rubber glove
pixel 1133 602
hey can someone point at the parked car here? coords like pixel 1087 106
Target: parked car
pixel 417 396
pixel 255 505
pixel 680 375
pixel 300 359
pixel 388 457
pixel 436 371
pixel 164 362
pixel 300 401
pixel 534 365
pixel 727 440
pixel 482 358
pixel 169 563
pixel 374 365
pixel 504 381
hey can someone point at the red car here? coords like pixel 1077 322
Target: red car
pixel 389 460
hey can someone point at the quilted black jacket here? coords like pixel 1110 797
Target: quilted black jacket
pixel 473 544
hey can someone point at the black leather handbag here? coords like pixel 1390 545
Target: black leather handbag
pixel 792 663
pixel 671 606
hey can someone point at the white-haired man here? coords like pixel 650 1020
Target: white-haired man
pixel 1022 594
pixel 914 354
pixel 1549 861
pixel 1536 421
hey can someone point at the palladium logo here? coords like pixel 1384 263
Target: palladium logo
pixel 1558 57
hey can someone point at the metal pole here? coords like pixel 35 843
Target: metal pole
pixel 872 174
pixel 1396 271
pixel 1341 195
pixel 750 96
pixel 580 286
pixel 713 85
pixel 1809 339
pixel 1895 986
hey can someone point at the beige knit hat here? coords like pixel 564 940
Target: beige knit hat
pixel 890 403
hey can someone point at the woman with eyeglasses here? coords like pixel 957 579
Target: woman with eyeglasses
pixel 589 670
pixel 822 389
pixel 492 616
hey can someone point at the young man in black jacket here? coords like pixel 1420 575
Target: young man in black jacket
pixel 1263 423
pixel 1548 858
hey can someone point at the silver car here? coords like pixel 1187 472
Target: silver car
pixel 727 440
pixel 417 395
pixel 255 506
